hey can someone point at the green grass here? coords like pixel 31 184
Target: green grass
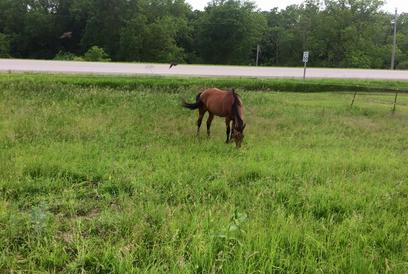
pixel 109 178
pixel 176 84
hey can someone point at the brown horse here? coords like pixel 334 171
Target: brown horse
pixel 221 103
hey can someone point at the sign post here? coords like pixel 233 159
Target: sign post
pixel 395 101
pixel 305 60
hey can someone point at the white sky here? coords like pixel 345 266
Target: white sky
pixel 389 6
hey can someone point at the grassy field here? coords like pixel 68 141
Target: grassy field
pixel 105 175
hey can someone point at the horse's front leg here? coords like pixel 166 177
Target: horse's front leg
pixel 209 120
pixel 232 131
pixel 227 123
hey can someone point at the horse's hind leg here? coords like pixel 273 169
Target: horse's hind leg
pixel 209 120
pixel 201 113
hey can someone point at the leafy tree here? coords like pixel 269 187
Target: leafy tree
pixel 4 46
pixel 340 33
pixel 160 42
pixel 132 39
pixel 104 21
pixel 228 31
pixel 402 39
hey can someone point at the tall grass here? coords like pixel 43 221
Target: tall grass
pixel 99 178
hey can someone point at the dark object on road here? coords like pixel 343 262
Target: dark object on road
pixel 173 64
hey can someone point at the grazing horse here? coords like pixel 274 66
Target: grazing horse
pixel 221 103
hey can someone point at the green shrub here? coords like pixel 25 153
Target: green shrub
pixel 96 53
pixel 63 55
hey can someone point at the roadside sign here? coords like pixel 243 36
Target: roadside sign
pixel 305 56
pixel 305 60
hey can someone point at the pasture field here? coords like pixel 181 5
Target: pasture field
pixel 99 177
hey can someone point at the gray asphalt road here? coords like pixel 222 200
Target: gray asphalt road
pixel 17 65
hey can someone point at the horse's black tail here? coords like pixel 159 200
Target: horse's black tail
pixel 195 105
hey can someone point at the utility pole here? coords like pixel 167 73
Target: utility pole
pixel 394 40
pixel 258 49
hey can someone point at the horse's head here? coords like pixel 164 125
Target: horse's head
pixel 238 135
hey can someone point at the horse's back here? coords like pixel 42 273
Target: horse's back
pixel 217 101
pixel 214 92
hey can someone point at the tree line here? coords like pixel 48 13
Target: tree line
pixel 338 33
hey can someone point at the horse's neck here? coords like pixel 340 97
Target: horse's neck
pixel 236 106
pixel 239 122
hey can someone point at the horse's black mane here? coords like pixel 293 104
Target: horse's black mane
pixel 235 112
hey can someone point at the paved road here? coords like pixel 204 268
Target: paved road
pixel 16 65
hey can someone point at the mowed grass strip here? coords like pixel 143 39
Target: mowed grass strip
pixel 100 179
pixel 176 84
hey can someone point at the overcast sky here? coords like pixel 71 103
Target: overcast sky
pixel 390 5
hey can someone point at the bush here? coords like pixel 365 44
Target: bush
pixel 78 58
pixel 66 56
pixel 96 54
